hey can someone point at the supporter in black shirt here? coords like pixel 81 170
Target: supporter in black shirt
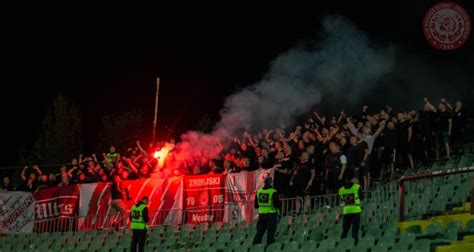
pixel 80 178
pixel 44 181
pixel 265 161
pixel 52 179
pixel 404 140
pixel 364 156
pixel 6 185
pixel 427 126
pixel 303 176
pixel 315 163
pixel 353 158
pixel 118 194
pixel 391 139
pixel 30 183
pixel 283 170
pixel 336 168
pixel 302 179
pixel 416 144
pixel 459 126
pixel 443 127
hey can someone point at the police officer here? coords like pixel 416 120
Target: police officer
pixel 267 203
pixel 350 195
pixel 138 224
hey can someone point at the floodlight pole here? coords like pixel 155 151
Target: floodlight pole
pixel 156 110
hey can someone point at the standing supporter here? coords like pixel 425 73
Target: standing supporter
pixel 302 180
pixel 416 144
pixel 364 156
pixel 6 185
pixel 43 181
pixel 52 179
pixel 336 168
pixel 353 158
pixel 117 194
pixel 443 127
pixel 459 127
pixel 389 150
pixel 405 135
pixel 313 160
pixel 64 179
pixel 30 183
pixel 427 127
pixel 369 138
pixel 283 171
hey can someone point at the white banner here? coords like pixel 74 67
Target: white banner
pixel 16 212
pixel 240 194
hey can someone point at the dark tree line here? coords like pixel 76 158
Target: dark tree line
pixel 61 136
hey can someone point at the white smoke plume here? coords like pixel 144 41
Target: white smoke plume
pixel 342 63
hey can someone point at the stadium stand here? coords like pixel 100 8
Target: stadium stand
pixel 437 219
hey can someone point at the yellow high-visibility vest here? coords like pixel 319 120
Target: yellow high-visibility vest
pixel 351 200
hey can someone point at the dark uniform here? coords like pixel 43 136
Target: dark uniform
pixel 267 203
pixel 334 167
pixel 349 194
pixel 138 224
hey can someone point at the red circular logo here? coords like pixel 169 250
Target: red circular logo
pixel 447 25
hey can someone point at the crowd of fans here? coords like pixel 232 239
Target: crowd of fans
pixel 314 158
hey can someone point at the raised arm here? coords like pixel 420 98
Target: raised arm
pixel 36 168
pixel 249 139
pixel 106 160
pixel 95 158
pixel 135 160
pixel 69 173
pixel 280 133
pixel 267 135
pixel 352 128
pixel 364 111
pixel 443 100
pixel 380 129
pixel 321 120
pixel 341 115
pixel 22 175
pixel 430 106
pixel 130 163
pixel 318 135
pixel 140 148
pixel 410 133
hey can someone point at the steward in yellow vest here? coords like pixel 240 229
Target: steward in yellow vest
pixel 350 195
pixel 138 224
pixel 268 205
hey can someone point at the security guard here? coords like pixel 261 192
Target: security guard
pixel 350 195
pixel 138 224
pixel 267 203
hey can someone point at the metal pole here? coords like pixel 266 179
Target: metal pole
pixel 401 213
pixel 156 109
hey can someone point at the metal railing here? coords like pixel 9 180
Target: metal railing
pixel 433 192
pixel 378 205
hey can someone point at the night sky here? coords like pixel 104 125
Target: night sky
pixel 107 60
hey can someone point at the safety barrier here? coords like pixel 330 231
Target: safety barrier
pixel 294 207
